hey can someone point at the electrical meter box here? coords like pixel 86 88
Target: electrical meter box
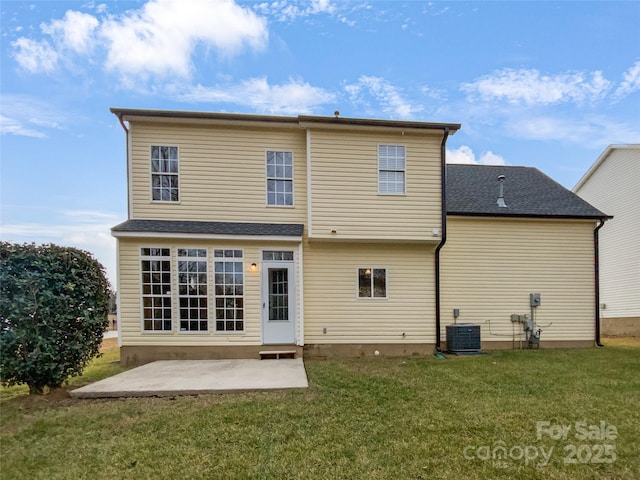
pixel 534 299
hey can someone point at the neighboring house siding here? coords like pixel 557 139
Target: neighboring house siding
pixel 131 301
pixel 222 172
pixel 614 188
pixel 331 297
pixel 344 186
pixel 491 265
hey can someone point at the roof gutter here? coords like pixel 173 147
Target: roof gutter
pixel 443 216
pixel 596 271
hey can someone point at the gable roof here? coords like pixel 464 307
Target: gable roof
pixel 600 160
pixel 474 189
pixel 190 227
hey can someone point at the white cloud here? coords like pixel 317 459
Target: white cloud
pixel 593 131
pixel 630 82
pixel 160 38
pixel 157 40
pixel 287 11
pixel 75 31
pixel 36 57
pixel 434 93
pixel 387 96
pixel 10 126
pixel 490 158
pixel 530 87
pixel 293 97
pixel 464 154
pixel 26 116
pixel 322 6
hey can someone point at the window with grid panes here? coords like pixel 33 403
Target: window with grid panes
pixel 164 173
pixel 277 255
pixel 155 266
pixel 279 178
pixel 372 282
pixel 391 169
pixel 192 289
pixel 229 290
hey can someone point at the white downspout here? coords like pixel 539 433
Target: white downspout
pixel 309 209
pixel 301 297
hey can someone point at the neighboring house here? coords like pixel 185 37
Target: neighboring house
pixel 325 234
pixel 612 184
pixel 542 242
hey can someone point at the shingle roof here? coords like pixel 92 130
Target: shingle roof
pixel 210 228
pixel 474 190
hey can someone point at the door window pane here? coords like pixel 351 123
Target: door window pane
pixel 278 294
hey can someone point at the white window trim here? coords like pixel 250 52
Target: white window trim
pixel 267 178
pixel 177 287
pixel 177 174
pixel 393 194
pixel 386 282
pixel 213 330
pixel 142 295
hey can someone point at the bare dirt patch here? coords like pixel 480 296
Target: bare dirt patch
pixel 108 344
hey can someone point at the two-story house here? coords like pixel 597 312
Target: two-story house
pixel 613 184
pixel 249 233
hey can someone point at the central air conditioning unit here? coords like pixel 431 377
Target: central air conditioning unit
pixel 463 338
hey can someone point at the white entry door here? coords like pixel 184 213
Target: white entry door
pixel 278 303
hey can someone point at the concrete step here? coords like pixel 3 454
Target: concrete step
pixel 276 354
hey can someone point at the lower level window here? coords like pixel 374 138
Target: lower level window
pixel 192 289
pixel 229 290
pixel 155 266
pixel 372 282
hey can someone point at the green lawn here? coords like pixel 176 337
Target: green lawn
pixel 414 418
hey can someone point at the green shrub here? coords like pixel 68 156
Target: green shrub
pixel 53 311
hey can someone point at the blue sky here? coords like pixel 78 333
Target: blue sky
pixel 544 84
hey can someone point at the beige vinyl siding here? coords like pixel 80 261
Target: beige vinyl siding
pixel 130 294
pixel 614 188
pixel 331 294
pixel 222 172
pixel 344 186
pixel 490 266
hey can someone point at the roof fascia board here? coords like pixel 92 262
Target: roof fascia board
pixel 208 236
pixel 301 121
pixel 538 216
pixel 307 121
pixel 355 239
pixel 210 121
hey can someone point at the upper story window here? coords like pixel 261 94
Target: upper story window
pixel 164 173
pixel 280 178
pixel 391 169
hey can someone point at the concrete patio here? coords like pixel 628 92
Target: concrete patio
pixel 194 377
